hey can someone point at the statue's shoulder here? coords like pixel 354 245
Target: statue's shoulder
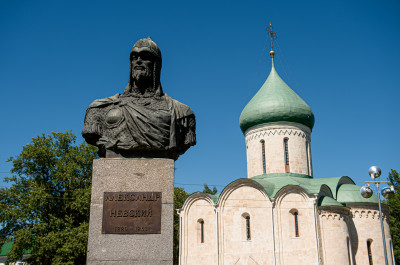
pixel 98 103
pixel 181 110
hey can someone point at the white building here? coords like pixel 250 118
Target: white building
pixel 280 214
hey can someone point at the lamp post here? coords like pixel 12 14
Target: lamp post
pixel 367 192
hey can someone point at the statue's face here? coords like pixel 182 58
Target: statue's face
pixel 142 64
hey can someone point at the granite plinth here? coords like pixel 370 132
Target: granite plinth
pixel 131 175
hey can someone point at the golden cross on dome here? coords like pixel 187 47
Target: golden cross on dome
pixel 272 35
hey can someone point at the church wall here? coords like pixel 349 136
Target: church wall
pixel 235 247
pixel 292 249
pixel 335 237
pixel 365 225
pixel 342 232
pixel 273 134
pixel 194 252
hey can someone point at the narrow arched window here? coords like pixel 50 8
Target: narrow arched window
pixel 200 224
pixel 296 224
pixel 248 235
pixel 286 149
pixel 246 226
pixel 369 243
pixel 263 156
pixel 308 160
pixel 202 232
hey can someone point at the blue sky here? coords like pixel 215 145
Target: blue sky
pixel 341 57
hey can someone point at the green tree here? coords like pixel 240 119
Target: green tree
pixel 394 218
pixel 209 191
pixel 46 209
pixel 180 196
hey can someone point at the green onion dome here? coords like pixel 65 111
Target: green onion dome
pixel 275 102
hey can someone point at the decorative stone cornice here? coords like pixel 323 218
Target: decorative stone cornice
pixel 364 210
pixel 333 213
pixel 367 213
pixel 268 132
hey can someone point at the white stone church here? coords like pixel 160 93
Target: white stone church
pixel 280 214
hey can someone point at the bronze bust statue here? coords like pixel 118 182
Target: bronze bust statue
pixel 143 121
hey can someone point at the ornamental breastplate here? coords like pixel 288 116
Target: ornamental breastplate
pixel 114 117
pixel 139 124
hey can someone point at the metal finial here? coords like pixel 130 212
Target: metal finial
pixel 272 36
pixel 387 193
pixel 366 192
pixel 374 172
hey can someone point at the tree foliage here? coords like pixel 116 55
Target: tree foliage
pixel 46 208
pixel 180 196
pixel 394 218
pixel 209 191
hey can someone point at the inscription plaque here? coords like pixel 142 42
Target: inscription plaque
pixel 131 213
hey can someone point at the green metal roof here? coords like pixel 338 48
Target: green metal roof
pixel 342 189
pixel 272 183
pixel 6 248
pixel 348 193
pixel 214 198
pixel 275 102
pixel 336 191
pixel 328 201
pixel 334 183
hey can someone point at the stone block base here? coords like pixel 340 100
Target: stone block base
pixel 131 175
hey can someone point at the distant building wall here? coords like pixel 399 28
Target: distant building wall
pixel 3 260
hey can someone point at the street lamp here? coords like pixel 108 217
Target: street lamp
pixel 367 192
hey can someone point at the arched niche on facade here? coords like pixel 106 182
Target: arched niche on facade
pixel 240 183
pixel 293 203
pixel 292 189
pixel 195 197
pixel 245 221
pixel 198 229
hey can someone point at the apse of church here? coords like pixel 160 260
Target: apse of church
pixel 280 214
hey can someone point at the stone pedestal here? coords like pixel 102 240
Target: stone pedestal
pixel 131 175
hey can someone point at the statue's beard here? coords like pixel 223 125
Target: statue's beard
pixel 143 81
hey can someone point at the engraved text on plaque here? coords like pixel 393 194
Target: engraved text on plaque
pixel 132 213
